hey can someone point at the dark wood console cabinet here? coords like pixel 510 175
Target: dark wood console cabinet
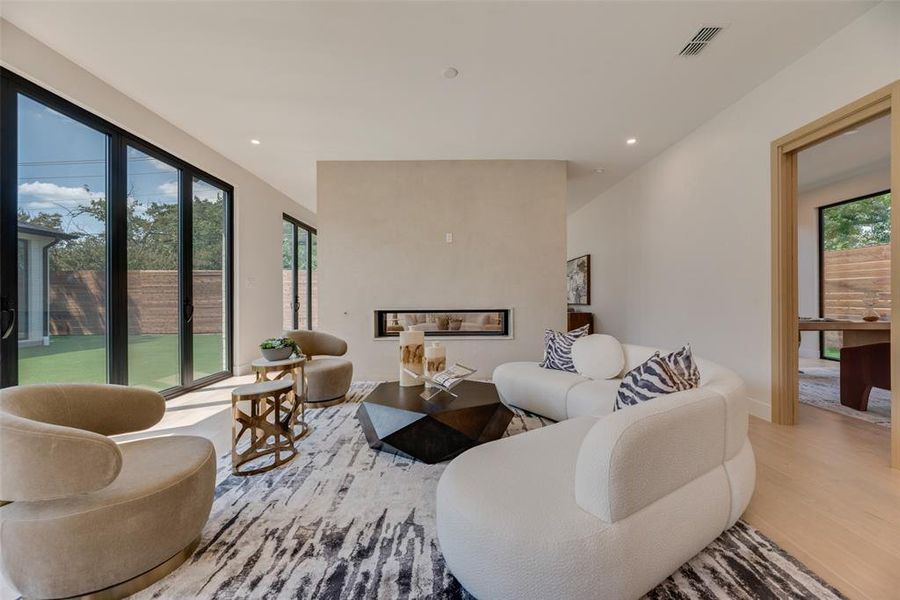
pixel 579 319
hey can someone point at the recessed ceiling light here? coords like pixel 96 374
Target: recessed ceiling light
pixel 255 142
pixel 451 72
pixel 631 141
pixel 599 170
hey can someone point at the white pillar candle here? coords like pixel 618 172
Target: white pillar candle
pixel 435 359
pixel 412 357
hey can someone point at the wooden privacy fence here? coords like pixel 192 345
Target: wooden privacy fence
pixel 77 302
pixel 286 291
pixel 851 277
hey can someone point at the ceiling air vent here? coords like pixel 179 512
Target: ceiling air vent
pixel 700 40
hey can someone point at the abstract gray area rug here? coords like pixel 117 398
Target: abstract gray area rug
pixel 342 521
pixel 821 387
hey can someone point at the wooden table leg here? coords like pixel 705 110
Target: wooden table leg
pixel 862 368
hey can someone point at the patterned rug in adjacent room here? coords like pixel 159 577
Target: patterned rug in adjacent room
pixel 343 521
pixel 821 387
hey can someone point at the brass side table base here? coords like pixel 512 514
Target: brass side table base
pixel 273 370
pixel 273 410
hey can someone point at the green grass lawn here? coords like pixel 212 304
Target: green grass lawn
pixel 153 360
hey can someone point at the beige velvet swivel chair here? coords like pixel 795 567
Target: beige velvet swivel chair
pixel 87 514
pixel 328 377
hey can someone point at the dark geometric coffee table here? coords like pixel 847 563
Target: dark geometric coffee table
pixel 396 419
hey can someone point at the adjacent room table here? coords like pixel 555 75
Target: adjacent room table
pixel 865 357
pixel 856 333
pixel 396 419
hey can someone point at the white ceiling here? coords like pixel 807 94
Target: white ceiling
pixel 866 150
pixel 363 81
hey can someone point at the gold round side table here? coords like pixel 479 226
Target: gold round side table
pixel 294 368
pixel 272 411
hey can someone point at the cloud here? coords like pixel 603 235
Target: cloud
pixel 43 196
pixel 160 165
pixel 205 191
pixel 169 188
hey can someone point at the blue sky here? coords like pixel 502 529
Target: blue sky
pixel 63 166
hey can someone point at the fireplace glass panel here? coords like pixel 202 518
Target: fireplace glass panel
pixel 443 323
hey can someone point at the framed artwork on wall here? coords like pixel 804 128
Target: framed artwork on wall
pixel 578 280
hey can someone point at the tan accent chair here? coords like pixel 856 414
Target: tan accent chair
pixel 87 514
pixel 328 378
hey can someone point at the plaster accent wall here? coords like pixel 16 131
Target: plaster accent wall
pixel 808 202
pixel 689 256
pixel 258 206
pixel 382 245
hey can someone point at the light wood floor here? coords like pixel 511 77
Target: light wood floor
pixel 825 493
pixel 824 490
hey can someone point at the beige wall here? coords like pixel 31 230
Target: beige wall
pixel 685 240
pixel 382 229
pixel 258 206
pixel 808 202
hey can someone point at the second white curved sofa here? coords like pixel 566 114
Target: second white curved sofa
pixel 601 506
pixel 560 395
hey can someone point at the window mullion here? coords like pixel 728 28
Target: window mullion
pixel 185 271
pixel 117 262
pixel 295 275
pixel 308 279
pixel 9 346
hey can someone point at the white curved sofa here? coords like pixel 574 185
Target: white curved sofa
pixel 559 395
pixel 604 505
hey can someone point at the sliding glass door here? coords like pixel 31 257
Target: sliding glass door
pixel 208 279
pixel 115 256
pixel 60 197
pixel 299 284
pixel 154 314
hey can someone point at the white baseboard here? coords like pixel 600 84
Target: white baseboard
pixel 759 409
pixel 243 369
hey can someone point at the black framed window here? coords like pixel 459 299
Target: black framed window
pixel 22 272
pixel 133 279
pixel 299 266
pixel 854 263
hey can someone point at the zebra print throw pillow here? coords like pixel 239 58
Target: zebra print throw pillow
pixel 682 365
pixel 558 349
pixel 657 376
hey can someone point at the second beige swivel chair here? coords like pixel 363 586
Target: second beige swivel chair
pixel 328 377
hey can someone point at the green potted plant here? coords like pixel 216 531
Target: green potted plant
pixel 279 348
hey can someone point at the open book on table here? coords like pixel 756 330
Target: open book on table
pixel 444 381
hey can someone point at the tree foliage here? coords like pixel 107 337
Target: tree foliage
pixel 287 252
pixel 858 224
pixel 152 236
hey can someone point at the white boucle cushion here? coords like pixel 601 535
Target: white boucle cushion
pixel 598 356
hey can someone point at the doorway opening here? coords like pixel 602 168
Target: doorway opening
pixel 840 241
pixel 844 272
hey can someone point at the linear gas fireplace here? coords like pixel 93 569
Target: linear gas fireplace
pixel 468 322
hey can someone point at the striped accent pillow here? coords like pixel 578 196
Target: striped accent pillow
pixel 558 348
pixel 658 376
pixel 682 365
